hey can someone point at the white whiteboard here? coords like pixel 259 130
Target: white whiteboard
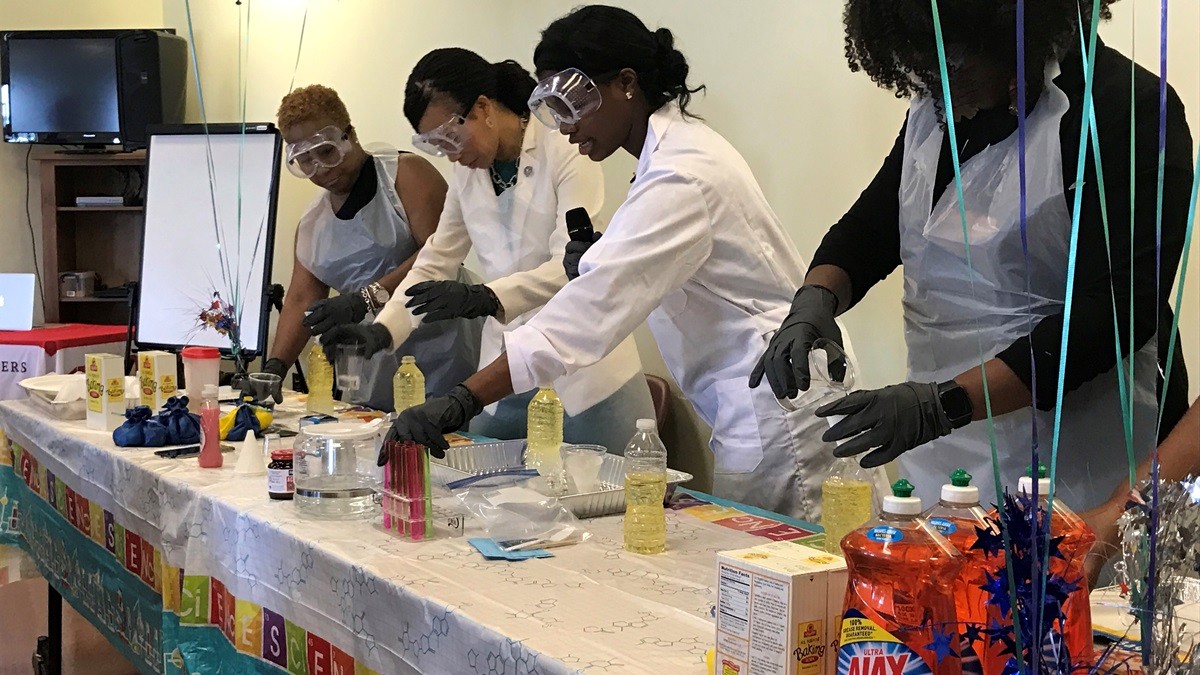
pixel 181 265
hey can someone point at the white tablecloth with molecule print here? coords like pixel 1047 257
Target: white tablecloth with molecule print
pixel 386 605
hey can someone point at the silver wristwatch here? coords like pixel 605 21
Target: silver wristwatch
pixel 376 296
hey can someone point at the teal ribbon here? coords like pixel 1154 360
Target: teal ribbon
pixel 948 106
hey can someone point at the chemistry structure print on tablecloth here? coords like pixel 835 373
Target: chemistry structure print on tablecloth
pixel 247 585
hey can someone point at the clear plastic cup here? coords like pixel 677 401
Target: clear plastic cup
pixel 263 385
pixel 582 463
pixel 827 362
pixel 349 363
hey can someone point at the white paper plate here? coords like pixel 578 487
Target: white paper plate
pixel 47 386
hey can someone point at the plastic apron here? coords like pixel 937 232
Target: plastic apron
pixel 950 312
pixel 349 254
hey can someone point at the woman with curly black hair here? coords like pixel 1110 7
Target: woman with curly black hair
pixel 1002 303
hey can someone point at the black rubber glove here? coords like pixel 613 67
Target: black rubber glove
pixel 374 338
pixel 428 423
pixel 441 300
pixel 888 421
pixel 575 251
pixel 259 391
pixel 785 362
pixel 275 366
pixel 325 314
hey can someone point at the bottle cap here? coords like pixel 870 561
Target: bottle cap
pixel 1025 483
pixel 206 353
pixel 1025 486
pixel 901 502
pixel 959 490
pixel 408 359
pixel 281 454
pixel 647 425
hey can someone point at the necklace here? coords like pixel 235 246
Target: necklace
pixel 499 181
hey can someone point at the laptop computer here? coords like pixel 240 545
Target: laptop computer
pixel 16 301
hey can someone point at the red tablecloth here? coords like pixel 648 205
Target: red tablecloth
pixel 53 338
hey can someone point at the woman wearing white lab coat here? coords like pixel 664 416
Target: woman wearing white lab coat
pixel 512 184
pixel 695 250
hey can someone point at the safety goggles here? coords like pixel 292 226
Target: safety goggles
pixel 450 137
pixel 564 98
pixel 323 150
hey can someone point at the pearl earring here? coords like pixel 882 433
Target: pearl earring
pixel 628 95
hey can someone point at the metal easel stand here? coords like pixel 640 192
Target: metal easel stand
pixel 47 658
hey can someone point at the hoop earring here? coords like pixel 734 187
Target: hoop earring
pixel 488 121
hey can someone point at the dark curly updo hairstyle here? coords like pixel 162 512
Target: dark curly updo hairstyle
pixel 601 41
pixel 893 40
pixel 462 76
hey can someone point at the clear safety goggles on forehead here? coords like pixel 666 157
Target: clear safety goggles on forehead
pixel 450 137
pixel 323 150
pixel 564 98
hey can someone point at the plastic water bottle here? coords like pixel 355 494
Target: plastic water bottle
pixel 847 500
pixel 320 381
pixel 408 385
pixel 545 435
pixel 645 490
pixel 899 614
pixel 958 517
pixel 210 429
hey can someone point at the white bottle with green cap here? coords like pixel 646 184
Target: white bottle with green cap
pixel 900 592
pixel 959 509
pixel 959 518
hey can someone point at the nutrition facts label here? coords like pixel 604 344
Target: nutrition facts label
pixel 752 622
pixel 733 616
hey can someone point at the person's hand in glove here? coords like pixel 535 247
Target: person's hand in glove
pixel 428 423
pixel 374 338
pixel 260 390
pixel 441 300
pixel 888 421
pixel 785 362
pixel 575 251
pixel 325 315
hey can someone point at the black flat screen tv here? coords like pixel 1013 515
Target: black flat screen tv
pixel 90 87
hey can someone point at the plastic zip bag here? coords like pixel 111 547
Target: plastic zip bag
pixel 514 514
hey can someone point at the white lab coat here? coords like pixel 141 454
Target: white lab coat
pixel 520 240
pixel 697 252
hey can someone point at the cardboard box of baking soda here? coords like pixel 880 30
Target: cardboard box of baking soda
pixel 105 375
pixel 158 378
pixel 779 610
